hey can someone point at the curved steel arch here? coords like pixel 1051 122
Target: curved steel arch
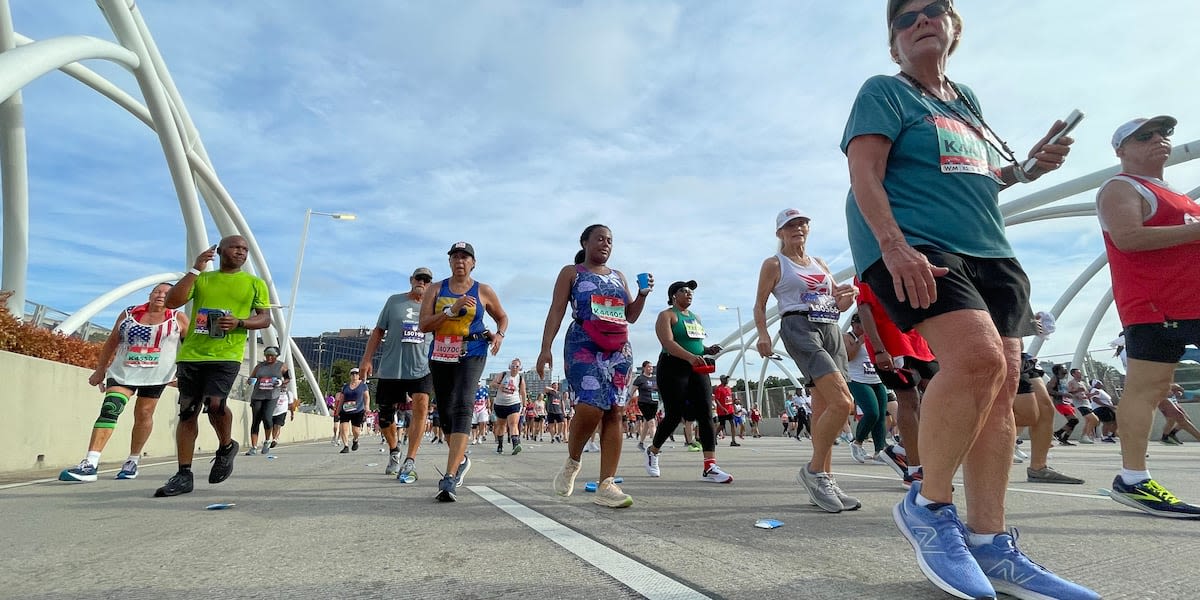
pixel 22 60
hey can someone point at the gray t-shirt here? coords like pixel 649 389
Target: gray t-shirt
pixel 406 347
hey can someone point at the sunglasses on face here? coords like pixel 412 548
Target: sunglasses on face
pixel 423 278
pixel 1145 136
pixel 905 20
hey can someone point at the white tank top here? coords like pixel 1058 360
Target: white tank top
pixel 799 286
pixel 861 369
pixel 510 390
pixel 146 353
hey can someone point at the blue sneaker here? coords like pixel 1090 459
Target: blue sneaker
pixel 446 489
pixel 1153 498
pixel 84 472
pixel 1012 573
pixel 461 472
pixel 128 470
pixel 938 538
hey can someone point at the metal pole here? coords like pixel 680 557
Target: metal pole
pixel 745 377
pixel 286 342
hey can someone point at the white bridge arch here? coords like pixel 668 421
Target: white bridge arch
pixel 23 60
pixel 1026 209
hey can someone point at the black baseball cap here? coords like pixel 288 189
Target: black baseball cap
pixel 679 285
pixel 462 247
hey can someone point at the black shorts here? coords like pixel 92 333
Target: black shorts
pixel 1083 410
pixel 502 412
pixel 906 377
pixel 1161 342
pixel 279 420
pixel 355 418
pixel 141 391
pixel 1106 414
pixel 208 379
pixel 555 418
pixel 998 286
pixel 724 418
pixel 648 411
pixel 393 394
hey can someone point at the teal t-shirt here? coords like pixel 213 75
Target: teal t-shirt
pixel 942 179
pixel 406 347
pixel 239 293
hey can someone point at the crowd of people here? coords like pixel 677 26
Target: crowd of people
pixel 931 365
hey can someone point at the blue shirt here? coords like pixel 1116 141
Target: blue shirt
pixel 942 179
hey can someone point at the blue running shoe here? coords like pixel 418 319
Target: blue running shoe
pixel 128 470
pixel 1153 498
pixel 938 538
pixel 460 474
pixel 84 472
pixel 447 489
pixel 1012 573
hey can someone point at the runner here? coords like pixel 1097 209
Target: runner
pixel 507 405
pixel 869 393
pixel 556 414
pixel 683 381
pixel 226 305
pixel 266 380
pixel 810 302
pixel 597 356
pixel 480 415
pixel 138 358
pixel 643 386
pixel 454 313
pixel 723 403
pixel 351 409
pixel 283 406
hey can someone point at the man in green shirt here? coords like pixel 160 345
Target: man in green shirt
pixel 226 304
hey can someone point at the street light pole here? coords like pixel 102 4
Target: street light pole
pixel 286 335
pixel 742 337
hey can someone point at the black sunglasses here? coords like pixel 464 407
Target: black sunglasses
pixel 1165 132
pixel 423 278
pixel 905 20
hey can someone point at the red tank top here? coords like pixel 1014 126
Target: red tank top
pixel 1155 286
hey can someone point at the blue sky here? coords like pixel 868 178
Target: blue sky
pixel 685 126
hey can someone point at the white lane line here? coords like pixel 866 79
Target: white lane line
pixel 642 579
pixel 1011 489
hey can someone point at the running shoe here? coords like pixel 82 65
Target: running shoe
pixel 1012 573
pixel 652 464
pixel 128 470
pixel 1108 439
pixel 252 451
pixel 715 475
pixel 499 448
pixel 516 449
pixel 608 494
pixel 83 472
pixel 1049 475
pixel 848 502
pixel 820 490
pixel 460 473
pixel 911 478
pixel 694 447
pixel 408 472
pixel 897 462
pixel 1086 439
pixel 938 538
pixel 446 489
pixel 393 466
pixel 223 463
pixel 179 483
pixel 858 453
pixel 345 450
pixel 1170 441
pixel 642 446
pixel 354 446
pixel 564 480
pixel 734 443
pixel 1064 441
pixel 273 443
pixel 1147 495
pixel 1021 454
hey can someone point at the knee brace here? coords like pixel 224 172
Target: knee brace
pixel 112 407
pixel 1072 422
pixel 387 415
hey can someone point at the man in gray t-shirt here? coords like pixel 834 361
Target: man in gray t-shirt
pixel 404 380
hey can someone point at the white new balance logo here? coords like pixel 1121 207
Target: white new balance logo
pixel 1007 570
pixel 927 539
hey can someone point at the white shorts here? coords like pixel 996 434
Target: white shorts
pixel 480 417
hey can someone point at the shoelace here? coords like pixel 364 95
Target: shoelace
pixel 83 465
pixel 1154 488
pixel 825 482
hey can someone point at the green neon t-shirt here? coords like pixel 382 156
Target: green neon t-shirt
pixel 214 291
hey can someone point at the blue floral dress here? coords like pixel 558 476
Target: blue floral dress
pixel 597 378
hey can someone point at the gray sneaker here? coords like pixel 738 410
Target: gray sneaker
pixel 1048 475
pixel 460 474
pixel 408 472
pixel 820 490
pixel 848 502
pixel 266 447
pixel 393 463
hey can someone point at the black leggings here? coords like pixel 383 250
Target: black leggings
pixel 261 411
pixel 685 394
pixel 454 386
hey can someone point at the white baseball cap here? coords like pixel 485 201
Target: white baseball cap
pixel 1131 127
pixel 788 214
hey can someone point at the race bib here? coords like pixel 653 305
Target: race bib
pixel 142 357
pixel 447 348
pixel 266 383
pixel 206 322
pixel 412 334
pixel 822 308
pixel 607 308
pixel 693 328
pixel 962 150
pixel 868 367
